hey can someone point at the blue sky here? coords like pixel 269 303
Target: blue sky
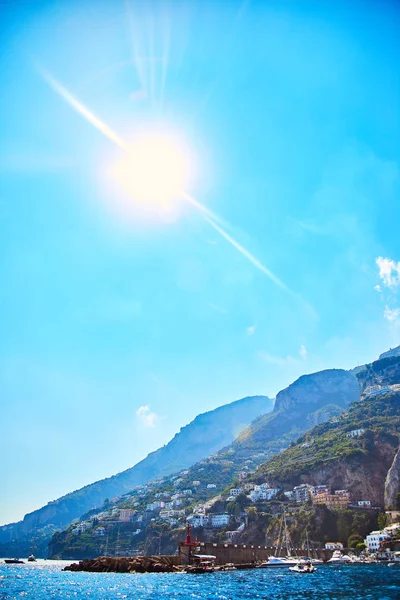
pixel 121 323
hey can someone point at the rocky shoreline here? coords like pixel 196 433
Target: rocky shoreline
pixel 134 564
pixel 139 564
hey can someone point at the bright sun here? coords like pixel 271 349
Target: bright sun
pixel 152 175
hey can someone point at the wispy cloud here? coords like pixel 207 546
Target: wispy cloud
pixel 392 314
pixel 389 272
pixel 303 352
pixel 146 416
pixel 251 330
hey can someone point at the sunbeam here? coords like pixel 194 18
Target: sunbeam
pixel 211 218
pixel 258 264
pixel 82 110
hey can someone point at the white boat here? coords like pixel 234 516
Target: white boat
pixel 313 561
pixel 303 568
pixel 339 558
pixel 276 562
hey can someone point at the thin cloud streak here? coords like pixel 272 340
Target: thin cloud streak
pixel 207 214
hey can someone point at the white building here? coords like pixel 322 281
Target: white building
pixel 364 503
pixel 263 494
pixel 219 520
pixel 355 433
pixel 211 486
pixel 372 390
pixel 235 492
pixel 196 483
pixel 198 520
pixel 302 493
pixel 374 540
pixel 333 546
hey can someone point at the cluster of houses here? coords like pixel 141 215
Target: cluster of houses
pixel 379 390
pixel 376 540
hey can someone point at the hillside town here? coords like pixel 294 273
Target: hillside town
pixel 177 508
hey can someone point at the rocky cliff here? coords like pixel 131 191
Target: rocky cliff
pixel 353 452
pixel 205 435
pixel 310 400
pixel 390 353
pixel 392 482
pixel 383 372
pixel 311 392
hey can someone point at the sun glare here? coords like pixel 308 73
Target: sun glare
pixel 152 174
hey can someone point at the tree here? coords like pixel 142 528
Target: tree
pixel 354 540
pixel 382 520
pixel 252 513
pixel 361 546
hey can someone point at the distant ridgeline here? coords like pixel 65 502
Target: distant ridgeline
pixel 352 446
pixel 208 433
pixel 306 438
pixel 157 512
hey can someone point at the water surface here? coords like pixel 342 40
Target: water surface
pixel 45 580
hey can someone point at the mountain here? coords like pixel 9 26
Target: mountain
pixel 321 408
pixel 357 451
pixel 328 454
pixel 310 400
pixel 206 434
pixel 391 352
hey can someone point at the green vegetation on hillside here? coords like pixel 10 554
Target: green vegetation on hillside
pixel 328 443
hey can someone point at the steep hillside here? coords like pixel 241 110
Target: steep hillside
pixel 390 353
pixel 382 372
pixel 205 435
pixel 310 400
pixel 325 402
pixel 329 454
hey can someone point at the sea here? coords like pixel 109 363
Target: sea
pixel 46 580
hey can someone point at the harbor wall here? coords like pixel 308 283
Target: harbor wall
pixel 243 553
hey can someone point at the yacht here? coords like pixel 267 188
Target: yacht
pixel 339 558
pixel 275 562
pixel 13 561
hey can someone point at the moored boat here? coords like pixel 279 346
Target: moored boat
pixel 275 562
pixel 13 561
pixel 31 558
pixel 339 558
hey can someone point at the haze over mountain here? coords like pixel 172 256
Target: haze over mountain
pixel 206 434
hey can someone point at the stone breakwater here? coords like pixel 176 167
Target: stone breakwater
pixel 134 564
pixel 140 564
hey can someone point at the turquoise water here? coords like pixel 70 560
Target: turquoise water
pixel 45 580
